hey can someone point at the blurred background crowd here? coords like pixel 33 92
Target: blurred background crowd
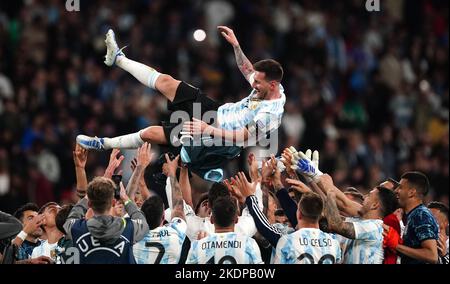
pixel 369 90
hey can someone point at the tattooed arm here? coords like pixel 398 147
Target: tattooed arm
pixel 144 156
pixel 245 66
pixel 335 222
pixel 170 169
pixel 177 199
pixel 242 61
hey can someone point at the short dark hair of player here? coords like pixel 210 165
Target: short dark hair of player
pixel 419 181
pixel 388 200
pixel 271 68
pixel 47 205
pixel 100 192
pixel 217 190
pixel 441 207
pixel 27 207
pixel 311 206
pixel 202 198
pixel 224 211
pixel 153 209
pixel 61 217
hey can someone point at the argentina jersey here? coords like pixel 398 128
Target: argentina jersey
pixel 224 248
pixel 162 245
pixel 308 246
pixel 93 251
pixel 252 113
pixel 367 247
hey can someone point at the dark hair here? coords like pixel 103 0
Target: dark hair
pixel 27 207
pixel 439 206
pixel 270 67
pixel 351 190
pixel 388 200
pixel 217 190
pixel 100 192
pixel 202 198
pixel 46 205
pixel 61 217
pixel 279 212
pixel 297 195
pixel 311 206
pixel 224 211
pixel 417 180
pixel 153 209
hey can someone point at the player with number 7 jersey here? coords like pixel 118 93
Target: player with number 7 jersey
pixel 163 243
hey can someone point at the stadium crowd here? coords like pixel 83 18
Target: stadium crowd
pixel 369 91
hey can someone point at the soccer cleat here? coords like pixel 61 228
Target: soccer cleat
pixel 112 49
pixel 91 143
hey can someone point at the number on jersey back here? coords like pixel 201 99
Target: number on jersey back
pixel 224 248
pixel 162 245
pixel 308 246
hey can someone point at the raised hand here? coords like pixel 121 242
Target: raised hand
pixel 298 185
pixel 170 166
pixel 228 34
pixel 123 193
pixel 266 171
pixel 144 155
pixel 286 159
pixel 246 188
pixel 80 156
pixel 114 163
pixel 305 166
pixel 234 190
pixel 253 168
pixel 276 177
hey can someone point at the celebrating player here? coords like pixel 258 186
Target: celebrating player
pixel 235 123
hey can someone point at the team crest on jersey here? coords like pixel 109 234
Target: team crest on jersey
pixel 253 104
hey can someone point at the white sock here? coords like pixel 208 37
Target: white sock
pixel 145 74
pixel 129 141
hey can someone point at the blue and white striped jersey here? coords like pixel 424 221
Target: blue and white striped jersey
pixel 308 246
pixel 367 247
pixel 224 248
pixel 161 245
pixel 45 249
pixel 264 114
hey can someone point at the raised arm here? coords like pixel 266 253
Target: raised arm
pixel 177 197
pixel 242 61
pixel 346 205
pixel 144 157
pixel 143 189
pixel 79 159
pixel 335 222
pixel 186 186
pixel 114 163
pixel 140 226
